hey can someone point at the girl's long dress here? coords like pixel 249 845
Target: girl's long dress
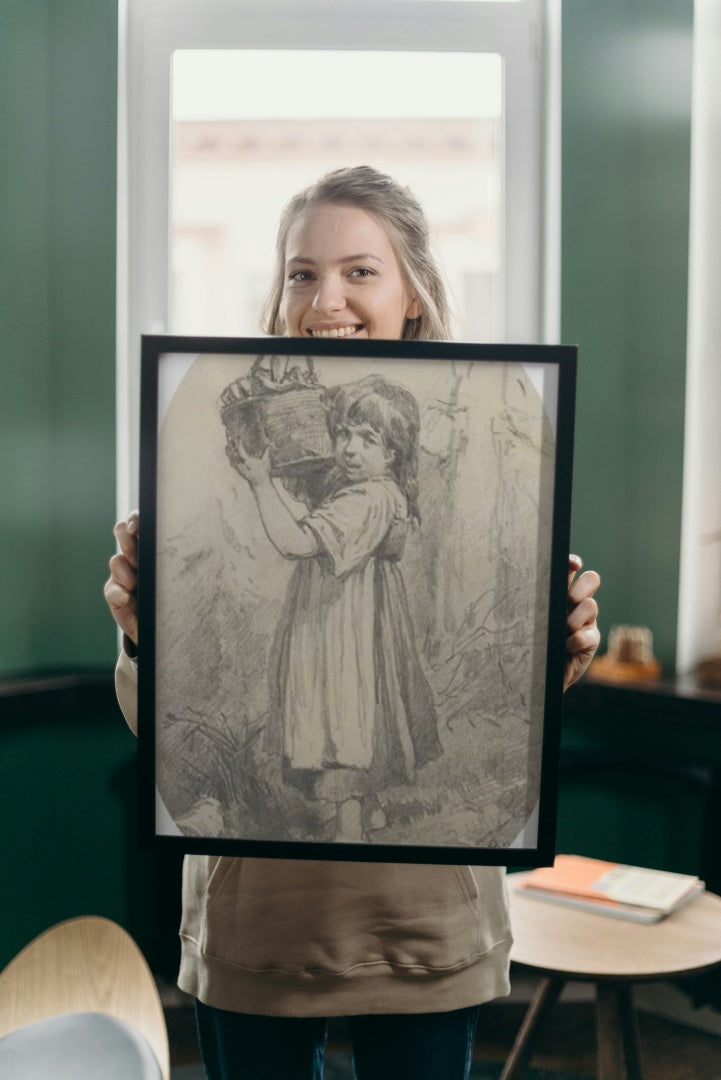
pixel 351 690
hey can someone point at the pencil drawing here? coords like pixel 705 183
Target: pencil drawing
pixel 349 644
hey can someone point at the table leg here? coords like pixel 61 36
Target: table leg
pixel 617 1033
pixel 545 997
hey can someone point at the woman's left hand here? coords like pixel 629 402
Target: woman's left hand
pixel 583 635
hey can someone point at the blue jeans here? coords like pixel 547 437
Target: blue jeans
pixel 415 1046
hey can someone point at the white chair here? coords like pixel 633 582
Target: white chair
pixel 80 1002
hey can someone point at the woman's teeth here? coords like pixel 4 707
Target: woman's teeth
pixel 337 331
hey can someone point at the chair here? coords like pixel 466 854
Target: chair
pixel 79 1002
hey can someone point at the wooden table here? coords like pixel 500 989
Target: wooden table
pixel 563 944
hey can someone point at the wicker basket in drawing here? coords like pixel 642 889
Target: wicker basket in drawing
pixel 279 405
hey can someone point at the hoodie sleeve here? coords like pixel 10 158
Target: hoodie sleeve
pixel 126 688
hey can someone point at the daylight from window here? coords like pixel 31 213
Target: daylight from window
pixel 249 128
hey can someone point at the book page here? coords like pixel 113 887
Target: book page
pixel 652 888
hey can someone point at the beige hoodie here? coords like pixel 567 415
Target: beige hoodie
pixel 286 937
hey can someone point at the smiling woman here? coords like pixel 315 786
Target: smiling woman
pixel 348 702
pixel 353 259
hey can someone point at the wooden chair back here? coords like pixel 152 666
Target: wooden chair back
pixel 87 964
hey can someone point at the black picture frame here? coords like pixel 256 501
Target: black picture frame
pixel 450 659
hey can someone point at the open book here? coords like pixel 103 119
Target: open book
pixel 608 888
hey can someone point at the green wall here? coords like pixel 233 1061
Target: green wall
pixel 68 804
pixel 67 771
pixel 626 145
pixel 58 72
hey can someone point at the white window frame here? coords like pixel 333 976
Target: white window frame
pixel 526 34
pixel 699 598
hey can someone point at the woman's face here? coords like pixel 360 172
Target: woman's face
pixel 342 277
pixel 361 452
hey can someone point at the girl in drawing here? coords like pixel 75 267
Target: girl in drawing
pixel 356 710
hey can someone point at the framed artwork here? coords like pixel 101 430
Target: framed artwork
pixel 352 597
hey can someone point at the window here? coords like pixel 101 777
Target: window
pixel 227 107
pixel 235 161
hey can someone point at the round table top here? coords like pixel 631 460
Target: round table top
pixel 559 940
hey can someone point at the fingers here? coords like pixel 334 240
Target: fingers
pixel 121 587
pixel 575 563
pixel 583 613
pixel 123 607
pixel 583 636
pixel 582 607
pixel 584 586
pixel 126 534
pixel 586 641
pixel 120 600
pixel 123 573
pixel 581 646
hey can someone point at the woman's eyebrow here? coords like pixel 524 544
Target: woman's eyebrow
pixel 361 257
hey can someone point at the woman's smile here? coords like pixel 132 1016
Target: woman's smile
pixel 335 331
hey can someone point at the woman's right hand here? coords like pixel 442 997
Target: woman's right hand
pixel 121 587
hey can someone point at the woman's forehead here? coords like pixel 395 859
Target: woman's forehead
pixel 336 231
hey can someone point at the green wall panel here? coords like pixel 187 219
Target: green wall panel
pixel 82 205
pixel 66 846
pixel 626 145
pixel 69 804
pixel 25 398
pixel 58 76
pixel 641 778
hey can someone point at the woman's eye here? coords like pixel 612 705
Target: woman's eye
pixel 362 272
pixel 300 276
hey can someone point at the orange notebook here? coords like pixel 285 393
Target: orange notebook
pixel 631 892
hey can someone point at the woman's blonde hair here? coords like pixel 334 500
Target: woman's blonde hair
pixel 403 217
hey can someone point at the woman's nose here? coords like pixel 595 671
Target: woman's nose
pixel 329 295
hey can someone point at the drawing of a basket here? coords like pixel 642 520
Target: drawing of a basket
pixel 290 420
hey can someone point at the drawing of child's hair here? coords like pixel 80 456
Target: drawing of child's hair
pixel 392 411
